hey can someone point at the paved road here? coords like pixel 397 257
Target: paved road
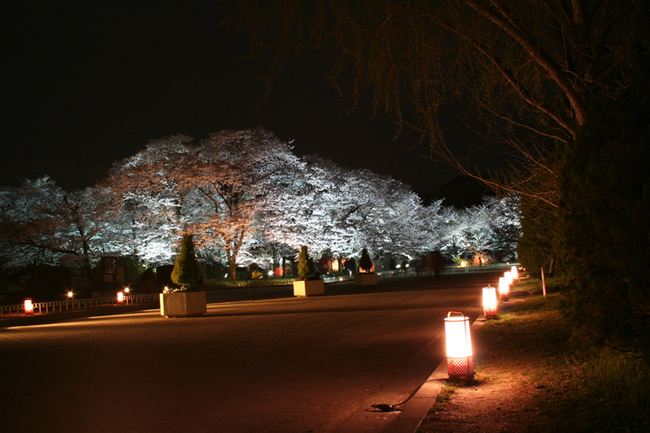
pixel 269 365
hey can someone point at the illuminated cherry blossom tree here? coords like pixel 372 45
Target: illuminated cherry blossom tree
pixel 215 190
pixel 43 224
pixel 234 176
pixel 489 229
pixel 145 189
pixel 247 199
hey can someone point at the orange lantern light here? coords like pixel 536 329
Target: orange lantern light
pixel 120 297
pixel 460 361
pixel 504 289
pixel 29 306
pixel 490 302
pixel 514 272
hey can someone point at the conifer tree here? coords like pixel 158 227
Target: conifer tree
pixel 364 262
pixel 304 270
pixel 187 269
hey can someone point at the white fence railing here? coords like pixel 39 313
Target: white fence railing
pixel 75 304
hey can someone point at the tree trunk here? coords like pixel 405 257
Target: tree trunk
pixel 232 263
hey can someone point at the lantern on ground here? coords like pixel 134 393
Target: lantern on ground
pixel 459 346
pixel 120 297
pixel 504 289
pixel 29 306
pixel 514 272
pixel 490 302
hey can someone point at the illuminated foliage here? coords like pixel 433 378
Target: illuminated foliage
pixel 215 189
pixel 248 200
pixel 234 176
pixel 43 224
pixel 149 200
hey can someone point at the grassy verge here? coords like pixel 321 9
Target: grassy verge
pixel 577 388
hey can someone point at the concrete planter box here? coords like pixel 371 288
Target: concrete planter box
pixel 365 280
pixel 308 288
pixel 182 304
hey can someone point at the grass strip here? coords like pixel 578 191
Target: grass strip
pixel 578 387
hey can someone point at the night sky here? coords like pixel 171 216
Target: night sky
pixel 87 84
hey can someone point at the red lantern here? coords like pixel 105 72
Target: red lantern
pixel 490 302
pixel 120 297
pixel 459 346
pixel 29 306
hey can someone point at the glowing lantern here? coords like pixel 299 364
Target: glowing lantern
pixel 514 272
pixel 504 289
pixel 459 346
pixel 70 294
pixel 120 297
pixel 490 302
pixel 29 306
pixel 127 290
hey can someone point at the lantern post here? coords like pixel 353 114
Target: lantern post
pixel 508 276
pixel 514 272
pixel 504 289
pixel 460 363
pixel 490 302
pixel 29 307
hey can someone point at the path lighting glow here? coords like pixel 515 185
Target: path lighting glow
pixel 29 306
pixel 490 302
pixel 504 289
pixel 508 277
pixel 127 290
pixel 120 297
pixel 70 294
pixel 460 362
pixel 514 272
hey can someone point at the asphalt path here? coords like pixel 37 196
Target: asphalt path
pixel 278 364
